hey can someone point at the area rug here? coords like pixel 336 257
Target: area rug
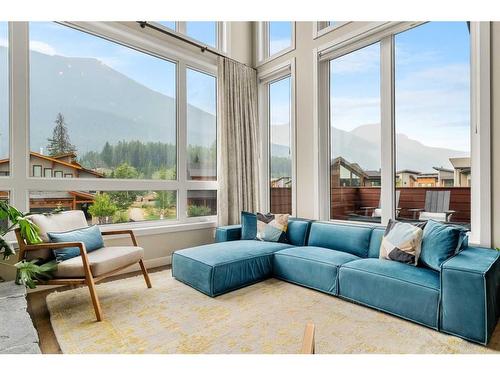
pixel 268 317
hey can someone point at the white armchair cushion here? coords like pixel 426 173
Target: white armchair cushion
pixel 60 222
pixel 101 261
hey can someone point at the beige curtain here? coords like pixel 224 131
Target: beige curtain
pixel 238 141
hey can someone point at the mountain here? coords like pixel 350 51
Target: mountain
pixel 100 104
pixel 361 145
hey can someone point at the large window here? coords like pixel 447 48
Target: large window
pixel 100 109
pixel 4 99
pixel 399 119
pixel 355 157
pixel 432 117
pixel 280 146
pixel 108 133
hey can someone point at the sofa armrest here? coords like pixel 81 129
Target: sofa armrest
pixel 470 296
pixel 228 233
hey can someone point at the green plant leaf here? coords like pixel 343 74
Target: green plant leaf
pixel 29 230
pixel 6 249
pixel 29 272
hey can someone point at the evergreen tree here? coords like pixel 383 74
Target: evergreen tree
pixel 60 142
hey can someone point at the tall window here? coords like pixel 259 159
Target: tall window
pixel 280 146
pixel 102 111
pixel 432 117
pixel 4 99
pixel 279 37
pixel 205 32
pixel 355 155
pixel 201 126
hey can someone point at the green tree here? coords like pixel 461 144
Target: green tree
pixel 123 199
pixel 164 199
pixel 60 142
pixel 107 154
pixel 102 207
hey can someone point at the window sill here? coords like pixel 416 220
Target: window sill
pixel 141 229
pixel 152 228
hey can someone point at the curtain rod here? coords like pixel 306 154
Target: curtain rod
pixel 203 48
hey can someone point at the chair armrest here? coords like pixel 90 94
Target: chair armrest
pixel 122 231
pixel 470 299
pixel 228 233
pixel 55 245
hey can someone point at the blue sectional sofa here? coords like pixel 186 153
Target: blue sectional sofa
pixel 461 299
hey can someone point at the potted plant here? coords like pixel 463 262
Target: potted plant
pixel 28 272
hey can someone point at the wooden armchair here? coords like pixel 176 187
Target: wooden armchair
pixel 308 343
pixel 88 268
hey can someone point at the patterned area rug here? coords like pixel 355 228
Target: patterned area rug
pixel 268 317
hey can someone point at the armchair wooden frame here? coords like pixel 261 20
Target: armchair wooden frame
pixel 89 279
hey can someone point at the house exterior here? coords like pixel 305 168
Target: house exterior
pixel 61 166
pixel 462 171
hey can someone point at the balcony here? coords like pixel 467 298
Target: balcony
pixel 355 203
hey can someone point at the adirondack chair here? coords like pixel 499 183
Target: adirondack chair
pixel 436 207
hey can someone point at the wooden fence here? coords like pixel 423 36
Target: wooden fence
pixel 353 200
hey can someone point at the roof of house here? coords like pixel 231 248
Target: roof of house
pixel 441 169
pixel 460 163
pixel 409 171
pixel 56 160
pixel 354 167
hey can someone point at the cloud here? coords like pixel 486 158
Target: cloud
pixel 363 60
pixel 4 42
pixel 277 45
pixel 42 47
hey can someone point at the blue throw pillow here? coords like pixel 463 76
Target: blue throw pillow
pixel 248 226
pixel 90 236
pixel 441 241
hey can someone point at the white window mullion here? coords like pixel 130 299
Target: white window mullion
pixel 387 193
pixel 480 134
pixel 19 110
pixel 181 141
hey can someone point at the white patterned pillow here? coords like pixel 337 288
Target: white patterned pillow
pixel 272 227
pixel 402 242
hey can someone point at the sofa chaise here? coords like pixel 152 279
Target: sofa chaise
pixel 342 260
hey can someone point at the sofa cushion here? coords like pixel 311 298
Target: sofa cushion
pixel 220 267
pixel 403 290
pixel 440 242
pixel 248 225
pixel 352 239
pixel 101 261
pixel 272 227
pixel 90 236
pixel 314 267
pixel 298 231
pixel 402 242
pixel 375 241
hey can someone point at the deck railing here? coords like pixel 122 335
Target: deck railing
pixel 346 201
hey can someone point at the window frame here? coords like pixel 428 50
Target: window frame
pixel 262 37
pixel 19 182
pixel 221 37
pixel 480 102
pixel 264 79
pixel 321 28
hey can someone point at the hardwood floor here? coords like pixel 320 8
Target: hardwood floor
pixel 37 308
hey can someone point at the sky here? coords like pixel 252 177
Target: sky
pixel 280 36
pixel 431 87
pixel 279 111
pixel 203 31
